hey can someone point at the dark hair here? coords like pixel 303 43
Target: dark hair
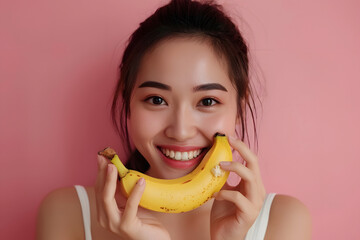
pixel 184 18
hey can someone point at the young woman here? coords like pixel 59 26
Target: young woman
pixel 184 77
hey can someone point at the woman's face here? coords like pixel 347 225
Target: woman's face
pixel 182 97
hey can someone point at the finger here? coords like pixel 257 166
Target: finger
pixel 100 180
pixel 235 197
pixel 246 210
pixel 250 158
pixel 102 163
pixel 237 167
pixel 247 177
pixel 133 201
pixel 108 197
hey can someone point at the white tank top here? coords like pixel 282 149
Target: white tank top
pixel 256 232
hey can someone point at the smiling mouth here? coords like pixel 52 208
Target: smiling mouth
pixel 181 156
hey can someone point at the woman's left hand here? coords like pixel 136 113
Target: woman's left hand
pixel 235 209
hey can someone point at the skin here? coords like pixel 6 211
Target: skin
pixel 179 116
pixel 182 119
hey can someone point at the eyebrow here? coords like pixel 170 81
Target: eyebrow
pixel 202 87
pixel 155 85
pixel 210 86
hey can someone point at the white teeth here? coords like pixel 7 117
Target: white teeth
pixel 178 156
pixel 181 156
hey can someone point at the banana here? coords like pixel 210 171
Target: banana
pixel 181 194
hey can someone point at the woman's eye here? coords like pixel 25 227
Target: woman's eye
pixel 208 102
pixel 156 100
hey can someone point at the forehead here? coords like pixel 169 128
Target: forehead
pixel 183 60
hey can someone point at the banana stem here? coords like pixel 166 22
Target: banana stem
pixel 110 154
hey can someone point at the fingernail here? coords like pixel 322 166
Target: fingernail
pixel 224 163
pixel 141 181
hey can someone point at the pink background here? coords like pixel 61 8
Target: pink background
pixel 58 65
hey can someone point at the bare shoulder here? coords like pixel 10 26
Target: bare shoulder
pixel 289 219
pixel 59 215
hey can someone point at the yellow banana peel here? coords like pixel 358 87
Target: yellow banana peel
pixel 181 194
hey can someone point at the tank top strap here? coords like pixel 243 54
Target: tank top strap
pixel 85 209
pixel 258 229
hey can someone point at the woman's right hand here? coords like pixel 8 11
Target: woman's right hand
pixel 123 216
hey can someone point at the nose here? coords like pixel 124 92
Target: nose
pixel 181 124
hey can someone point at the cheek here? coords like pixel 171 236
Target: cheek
pixel 143 126
pixel 224 122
